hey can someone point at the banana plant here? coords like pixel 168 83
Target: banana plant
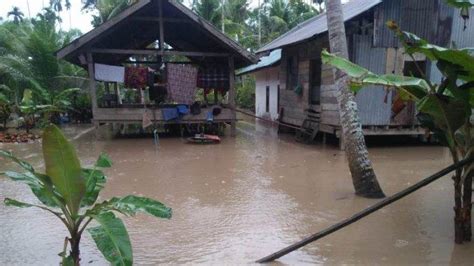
pixel 445 109
pixel 70 192
pixel 58 103
pixel 28 109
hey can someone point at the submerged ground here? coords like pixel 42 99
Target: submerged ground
pixel 246 198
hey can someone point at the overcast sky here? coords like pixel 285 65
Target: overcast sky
pixel 74 17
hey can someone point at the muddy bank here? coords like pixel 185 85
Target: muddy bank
pixel 247 197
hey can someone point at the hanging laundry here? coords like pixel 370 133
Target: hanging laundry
pixel 181 82
pixel 109 73
pixel 209 116
pixel 136 77
pixel 213 78
pixel 182 109
pixel 146 120
pixel 169 113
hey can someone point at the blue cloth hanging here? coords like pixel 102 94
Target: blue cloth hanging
pixel 210 116
pixel 169 113
pixel 182 109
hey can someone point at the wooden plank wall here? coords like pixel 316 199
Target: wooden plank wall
pixel 295 105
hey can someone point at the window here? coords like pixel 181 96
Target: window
pixel 315 81
pixel 291 73
pixel 267 100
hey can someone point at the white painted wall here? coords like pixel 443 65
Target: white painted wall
pixel 267 77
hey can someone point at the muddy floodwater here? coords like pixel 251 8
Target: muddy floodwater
pixel 245 198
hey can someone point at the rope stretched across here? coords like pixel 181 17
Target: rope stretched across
pixel 266 120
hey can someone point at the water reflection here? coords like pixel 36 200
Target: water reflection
pixel 247 197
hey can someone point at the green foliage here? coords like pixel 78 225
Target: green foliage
pixel 210 10
pixel 246 92
pixel 111 237
pixel 16 14
pixel 28 63
pixel 461 3
pixel 106 9
pixel 5 105
pixel 64 168
pixel 445 109
pixel 67 187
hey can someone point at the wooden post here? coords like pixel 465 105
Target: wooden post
pixel 117 92
pixel 92 88
pixel 162 28
pixel 92 84
pixel 233 124
pixel 107 91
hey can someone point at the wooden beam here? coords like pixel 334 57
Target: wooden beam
pixel 91 35
pixel 233 125
pixel 155 19
pixel 162 28
pixel 156 52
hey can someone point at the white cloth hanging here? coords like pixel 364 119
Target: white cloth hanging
pixel 109 73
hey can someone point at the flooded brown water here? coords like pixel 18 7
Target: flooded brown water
pixel 251 195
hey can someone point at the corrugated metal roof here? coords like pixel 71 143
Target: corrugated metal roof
pixel 318 24
pixel 265 61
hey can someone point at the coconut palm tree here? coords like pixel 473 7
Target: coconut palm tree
pixel 57 5
pixel 106 9
pixel 27 60
pixel 210 10
pixel 16 14
pixel 363 174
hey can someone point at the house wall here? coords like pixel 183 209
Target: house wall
pixel 267 77
pixel 377 49
pixel 460 38
pixel 429 19
pixel 294 105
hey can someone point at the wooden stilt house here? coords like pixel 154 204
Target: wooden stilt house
pixel 153 34
pixel 306 85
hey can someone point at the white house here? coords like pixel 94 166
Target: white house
pixel 267 85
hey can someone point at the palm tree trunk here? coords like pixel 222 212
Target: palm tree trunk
pixel 467 205
pixel 363 174
pixel 222 16
pixel 259 24
pixel 28 6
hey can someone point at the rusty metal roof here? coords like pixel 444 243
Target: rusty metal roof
pixel 318 24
